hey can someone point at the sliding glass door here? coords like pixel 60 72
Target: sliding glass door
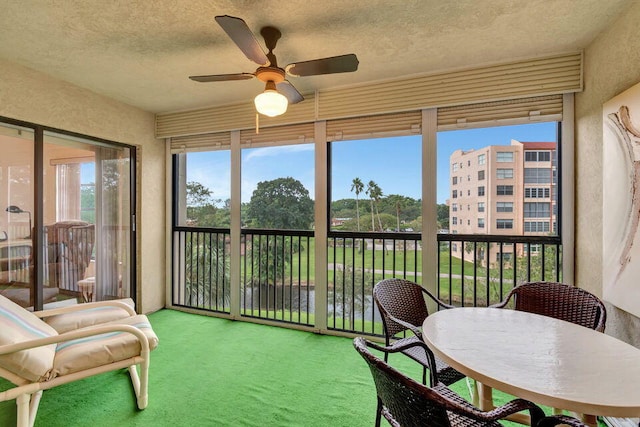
pixel 67 222
pixel 16 213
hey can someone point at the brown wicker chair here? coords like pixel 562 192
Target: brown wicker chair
pixel 402 306
pixel 405 402
pixel 559 301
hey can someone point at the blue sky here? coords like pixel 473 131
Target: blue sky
pixel 393 163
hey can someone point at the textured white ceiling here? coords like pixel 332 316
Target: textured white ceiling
pixel 142 52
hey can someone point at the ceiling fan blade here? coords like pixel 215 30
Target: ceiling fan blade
pixel 222 77
pixel 288 90
pixel 242 36
pixel 335 64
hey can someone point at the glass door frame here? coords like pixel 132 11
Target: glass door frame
pixel 38 202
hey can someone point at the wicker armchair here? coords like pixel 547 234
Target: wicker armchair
pixel 402 306
pixel 559 301
pixel 405 402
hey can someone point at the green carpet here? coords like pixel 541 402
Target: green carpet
pixel 214 372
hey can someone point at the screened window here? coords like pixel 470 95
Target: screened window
pixel 504 190
pixel 504 224
pixel 504 207
pixel 504 156
pixel 536 210
pixel 537 156
pixel 504 173
pixel 537 175
pixel 536 226
pixel 537 193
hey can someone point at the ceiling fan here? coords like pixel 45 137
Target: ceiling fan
pixel 278 91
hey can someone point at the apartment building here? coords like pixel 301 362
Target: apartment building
pixel 503 190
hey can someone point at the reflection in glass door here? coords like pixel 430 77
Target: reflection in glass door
pixel 87 218
pixel 16 209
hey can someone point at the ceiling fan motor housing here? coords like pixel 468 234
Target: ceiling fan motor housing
pixel 274 74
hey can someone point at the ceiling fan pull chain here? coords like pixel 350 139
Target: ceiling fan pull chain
pixel 257 123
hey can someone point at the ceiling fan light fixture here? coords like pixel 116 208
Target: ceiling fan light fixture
pixel 271 102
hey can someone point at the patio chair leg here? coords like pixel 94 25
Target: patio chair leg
pixel 33 407
pixel 22 402
pixel 378 413
pixel 140 382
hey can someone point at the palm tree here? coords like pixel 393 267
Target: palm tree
pixel 357 186
pixel 375 192
pixel 398 203
pixel 370 191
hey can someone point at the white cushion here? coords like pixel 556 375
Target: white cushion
pixel 19 325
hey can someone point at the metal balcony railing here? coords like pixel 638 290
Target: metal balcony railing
pixel 277 279
pixel 201 268
pixel 277 271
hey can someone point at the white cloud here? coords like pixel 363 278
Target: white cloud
pixel 278 151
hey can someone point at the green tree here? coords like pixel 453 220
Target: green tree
pixel 357 186
pixel 398 203
pixel 282 203
pixel 443 216
pixel 201 209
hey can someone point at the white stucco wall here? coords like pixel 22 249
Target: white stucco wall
pixel 35 97
pixel 612 64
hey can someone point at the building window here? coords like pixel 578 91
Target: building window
pixel 504 224
pixel 536 210
pixel 536 226
pixel 455 167
pixel 454 220
pixel 468 192
pixel 454 247
pixel 480 206
pixel 537 156
pixel 505 190
pixel 504 207
pixel 454 207
pixel 537 175
pixel 455 180
pixel 505 257
pixel 480 222
pixel 537 193
pixel 504 173
pixel 468 207
pixel 468 222
pixel 455 194
pixel 504 156
pixel 482 159
pixel 468 177
pixel 481 190
pixel 480 175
